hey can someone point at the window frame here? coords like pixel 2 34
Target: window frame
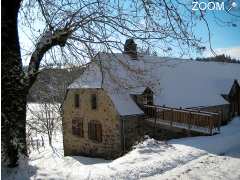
pixel 94 102
pixel 77 127
pixel 76 100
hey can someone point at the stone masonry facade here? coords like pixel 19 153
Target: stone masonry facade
pixel 111 146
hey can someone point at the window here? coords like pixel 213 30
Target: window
pixel 94 101
pixel 77 127
pixel 95 131
pixel 148 98
pixel 77 101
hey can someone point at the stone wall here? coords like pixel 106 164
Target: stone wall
pixel 105 113
pixel 165 132
pixel 132 130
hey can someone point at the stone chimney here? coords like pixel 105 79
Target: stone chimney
pixel 130 48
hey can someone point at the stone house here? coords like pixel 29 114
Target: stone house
pixel 103 108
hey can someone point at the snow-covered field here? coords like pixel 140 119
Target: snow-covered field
pixel 208 157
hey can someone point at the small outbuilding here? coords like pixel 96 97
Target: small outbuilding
pixel 233 97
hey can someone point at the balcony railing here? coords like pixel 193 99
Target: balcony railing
pixel 194 120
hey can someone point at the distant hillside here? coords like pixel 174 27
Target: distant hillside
pixel 219 58
pixel 51 84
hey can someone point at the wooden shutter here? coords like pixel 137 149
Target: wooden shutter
pixel 95 131
pixel 91 130
pixel 81 128
pixel 99 132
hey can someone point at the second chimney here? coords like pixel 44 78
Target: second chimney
pixel 130 48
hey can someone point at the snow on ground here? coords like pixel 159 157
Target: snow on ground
pixel 207 157
pixel 205 167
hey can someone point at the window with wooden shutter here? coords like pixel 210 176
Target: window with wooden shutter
pixel 95 131
pixel 77 101
pixel 94 101
pixel 77 127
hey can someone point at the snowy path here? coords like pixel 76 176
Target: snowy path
pixel 149 158
pixel 186 158
pixel 206 167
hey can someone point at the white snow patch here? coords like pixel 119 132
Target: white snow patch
pixel 125 104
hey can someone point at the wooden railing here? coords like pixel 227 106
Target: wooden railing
pixel 195 120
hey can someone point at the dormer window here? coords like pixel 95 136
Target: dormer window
pixel 143 98
pixel 147 99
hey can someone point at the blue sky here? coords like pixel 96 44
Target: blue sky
pixel 224 38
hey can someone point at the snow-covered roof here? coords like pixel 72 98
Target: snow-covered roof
pixel 125 104
pixel 238 81
pixel 175 82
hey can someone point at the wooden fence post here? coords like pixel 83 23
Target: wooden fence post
pixel 172 117
pixel 219 121
pixel 189 120
pixel 163 114
pixel 210 125
pixel 155 121
pixel 180 116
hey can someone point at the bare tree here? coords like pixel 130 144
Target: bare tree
pixel 45 119
pixel 71 31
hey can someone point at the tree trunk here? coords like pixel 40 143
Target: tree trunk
pixel 14 92
pixel 14 85
pixel 50 140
